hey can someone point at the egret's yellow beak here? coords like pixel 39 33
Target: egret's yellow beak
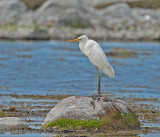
pixel 74 40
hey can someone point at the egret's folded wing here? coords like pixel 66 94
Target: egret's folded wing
pixel 98 58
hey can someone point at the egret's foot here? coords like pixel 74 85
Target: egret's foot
pixel 96 97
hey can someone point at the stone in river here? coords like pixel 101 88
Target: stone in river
pixel 112 114
pixel 10 123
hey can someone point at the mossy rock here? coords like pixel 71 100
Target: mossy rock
pixel 90 114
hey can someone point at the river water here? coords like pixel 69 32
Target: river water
pixel 53 67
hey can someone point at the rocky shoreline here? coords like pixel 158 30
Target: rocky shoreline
pixel 144 108
pixel 56 20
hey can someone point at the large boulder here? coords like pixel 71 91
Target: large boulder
pixel 53 11
pixel 11 10
pixel 120 10
pixel 114 113
pixel 9 123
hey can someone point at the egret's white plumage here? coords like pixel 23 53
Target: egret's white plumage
pixel 96 56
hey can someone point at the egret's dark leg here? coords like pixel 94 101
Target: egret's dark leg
pixel 99 81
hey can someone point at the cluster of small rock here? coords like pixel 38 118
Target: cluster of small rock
pixel 65 19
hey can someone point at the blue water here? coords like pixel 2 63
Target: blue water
pixel 60 68
pixel 54 67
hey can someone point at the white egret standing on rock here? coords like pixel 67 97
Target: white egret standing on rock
pixel 96 56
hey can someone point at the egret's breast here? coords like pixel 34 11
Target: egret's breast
pixel 82 47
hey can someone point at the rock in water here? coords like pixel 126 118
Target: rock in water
pixel 114 113
pixel 121 53
pixel 9 123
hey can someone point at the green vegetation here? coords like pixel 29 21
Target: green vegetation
pixel 10 27
pixel 33 4
pixel 2 114
pixel 75 124
pixel 154 4
pixel 113 120
pixel 79 25
pixel 126 53
pixel 14 27
pixel 128 116
pixel 120 121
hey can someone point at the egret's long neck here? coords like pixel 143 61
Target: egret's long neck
pixel 82 44
pixel 84 41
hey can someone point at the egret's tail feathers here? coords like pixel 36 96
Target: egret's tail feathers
pixel 109 71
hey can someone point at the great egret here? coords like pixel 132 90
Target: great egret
pixel 96 56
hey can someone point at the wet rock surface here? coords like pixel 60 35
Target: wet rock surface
pixel 88 108
pixel 9 123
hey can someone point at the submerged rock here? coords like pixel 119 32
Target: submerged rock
pixel 114 114
pixel 9 123
pixel 121 53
